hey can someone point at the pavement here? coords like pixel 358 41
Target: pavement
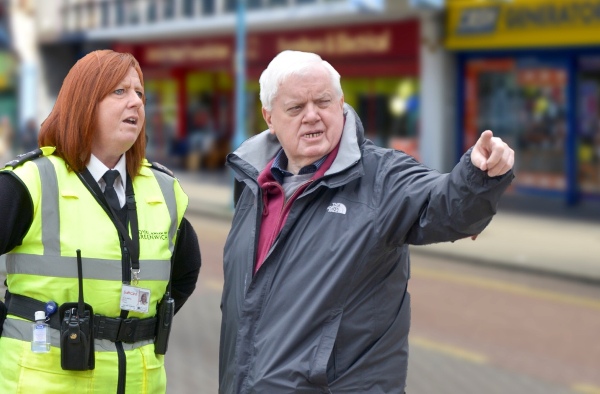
pixel 536 234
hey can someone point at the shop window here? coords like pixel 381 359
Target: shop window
pixel 152 11
pixel 209 123
pixel 231 5
pixel 523 101
pixel 163 145
pixel 120 12
pixel 133 13
pixel 208 7
pixel 277 3
pixel 169 10
pixel 588 124
pixel 388 109
pixel 254 4
pixel 188 8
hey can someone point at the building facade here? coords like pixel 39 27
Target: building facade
pixel 187 49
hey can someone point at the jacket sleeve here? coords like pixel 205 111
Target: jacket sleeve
pixel 16 212
pixel 423 206
pixel 186 267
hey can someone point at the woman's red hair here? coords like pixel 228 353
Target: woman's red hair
pixel 71 125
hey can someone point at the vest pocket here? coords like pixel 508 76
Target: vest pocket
pixel 35 368
pixel 155 375
pixel 318 372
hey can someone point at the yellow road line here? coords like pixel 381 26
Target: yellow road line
pixel 506 287
pixel 586 389
pixel 449 350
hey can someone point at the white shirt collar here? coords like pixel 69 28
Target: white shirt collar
pixel 98 169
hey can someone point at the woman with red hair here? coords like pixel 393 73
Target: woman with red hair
pixel 89 226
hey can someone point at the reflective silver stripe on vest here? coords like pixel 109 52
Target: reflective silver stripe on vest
pixel 166 183
pixel 21 330
pixel 66 267
pixel 50 219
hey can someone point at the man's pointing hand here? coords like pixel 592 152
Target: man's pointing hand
pixel 493 155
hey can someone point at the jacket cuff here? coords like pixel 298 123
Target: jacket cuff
pixel 477 177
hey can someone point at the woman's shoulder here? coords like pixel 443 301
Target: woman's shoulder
pixel 24 157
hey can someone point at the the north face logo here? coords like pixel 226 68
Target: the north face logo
pixel 337 207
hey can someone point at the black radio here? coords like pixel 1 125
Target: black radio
pixel 165 313
pixel 77 331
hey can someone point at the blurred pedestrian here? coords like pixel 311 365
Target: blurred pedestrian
pixel 6 135
pixel 202 135
pixel 87 214
pixel 29 136
pixel 317 262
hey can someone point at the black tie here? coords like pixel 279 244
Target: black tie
pixel 109 192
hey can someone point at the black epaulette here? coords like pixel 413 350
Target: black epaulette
pixel 24 157
pixel 161 168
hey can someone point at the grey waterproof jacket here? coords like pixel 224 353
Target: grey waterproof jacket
pixel 328 311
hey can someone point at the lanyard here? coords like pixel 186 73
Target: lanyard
pixel 130 248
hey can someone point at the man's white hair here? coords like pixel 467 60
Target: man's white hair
pixel 289 63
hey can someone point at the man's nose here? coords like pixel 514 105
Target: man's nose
pixel 312 113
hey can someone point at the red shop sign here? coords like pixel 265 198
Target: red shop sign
pixel 349 45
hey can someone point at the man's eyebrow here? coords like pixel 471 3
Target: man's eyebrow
pixel 292 102
pixel 324 95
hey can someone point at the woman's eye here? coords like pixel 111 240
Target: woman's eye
pixel 119 91
pixel 140 94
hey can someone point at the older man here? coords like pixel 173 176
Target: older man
pixel 317 263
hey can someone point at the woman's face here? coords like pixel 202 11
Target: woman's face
pixel 120 119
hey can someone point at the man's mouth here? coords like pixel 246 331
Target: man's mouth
pixel 314 135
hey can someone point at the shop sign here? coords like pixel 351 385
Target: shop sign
pixel 382 41
pixel 522 23
pixel 185 53
pixel 340 43
pixel 478 20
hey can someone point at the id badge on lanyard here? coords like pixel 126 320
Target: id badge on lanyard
pixel 135 299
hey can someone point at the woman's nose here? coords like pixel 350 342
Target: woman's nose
pixel 135 100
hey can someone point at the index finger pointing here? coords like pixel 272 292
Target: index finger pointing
pixel 486 139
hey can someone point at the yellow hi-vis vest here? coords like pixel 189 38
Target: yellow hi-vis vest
pixel 66 217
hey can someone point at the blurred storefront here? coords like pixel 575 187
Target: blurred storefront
pixel 190 82
pixel 8 87
pixel 530 71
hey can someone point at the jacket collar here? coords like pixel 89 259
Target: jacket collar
pixel 257 151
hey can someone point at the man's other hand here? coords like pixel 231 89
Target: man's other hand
pixel 492 155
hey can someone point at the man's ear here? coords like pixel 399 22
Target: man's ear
pixel 342 101
pixel 267 117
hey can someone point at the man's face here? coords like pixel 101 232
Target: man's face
pixel 307 117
